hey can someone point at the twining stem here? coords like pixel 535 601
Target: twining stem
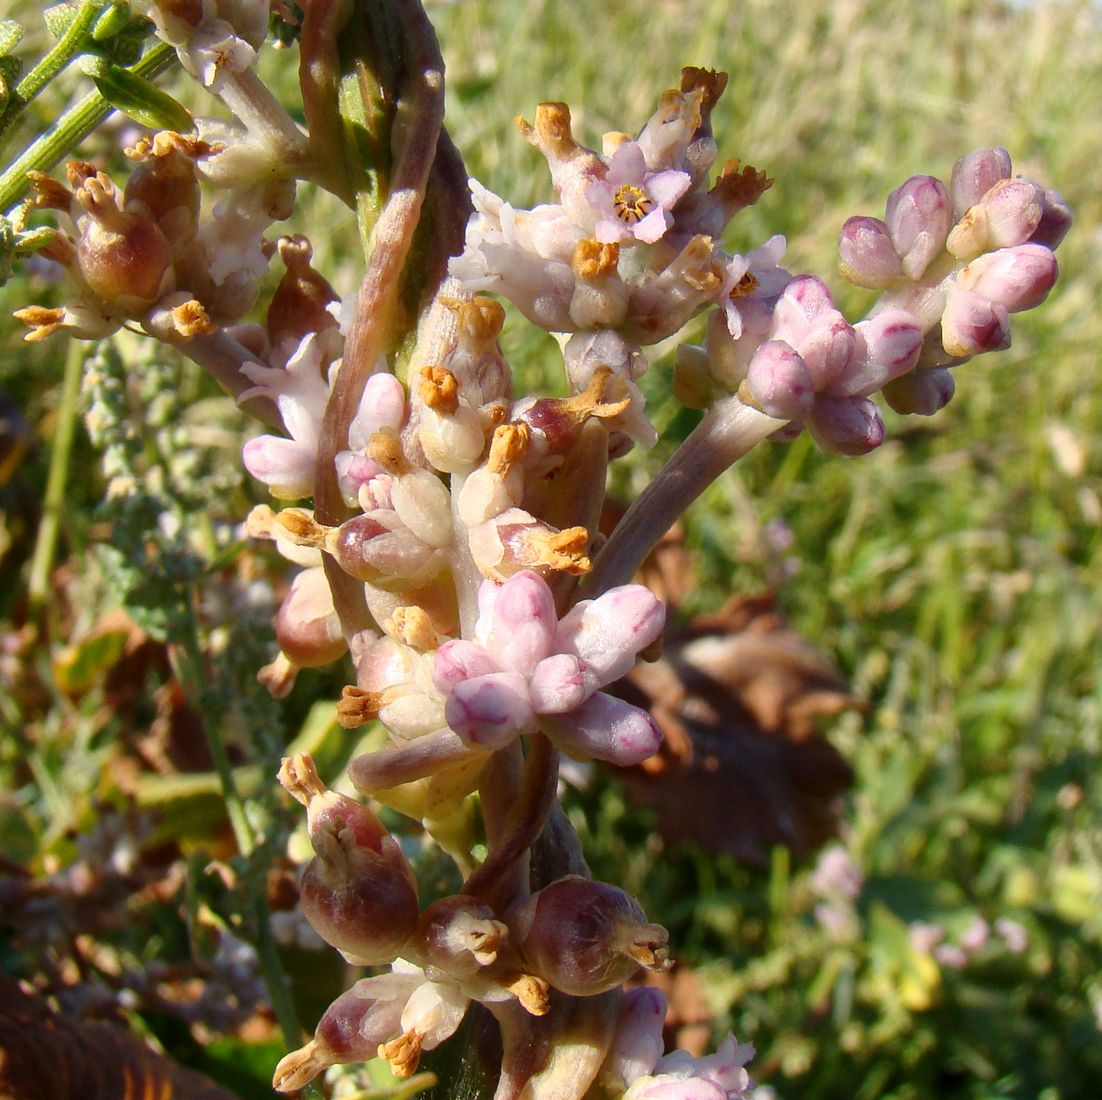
pixel 529 811
pixel 421 111
pixel 728 431
pixel 70 130
pixel 45 544
pixel 67 47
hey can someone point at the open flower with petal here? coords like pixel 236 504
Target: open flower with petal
pixel 632 203
pixel 752 283
pixel 680 1076
pixel 526 671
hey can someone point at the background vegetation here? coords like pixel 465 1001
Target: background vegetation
pixel 953 575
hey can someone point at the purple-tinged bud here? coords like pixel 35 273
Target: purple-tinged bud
pixel 605 728
pixel 459 936
pixel 973 324
pixel 458 660
pixel 588 937
pixel 922 392
pixel 779 382
pixel 866 256
pixel 490 711
pixel 637 1044
pixel 803 300
pixel 975 174
pixel 1008 214
pixel 1056 220
pixel 377 548
pixel 558 684
pixel 352 1029
pixel 918 216
pixel 846 425
pixel 607 633
pixel 515 541
pixel 893 343
pixel 1017 278
pixel 358 893
pixel 307 626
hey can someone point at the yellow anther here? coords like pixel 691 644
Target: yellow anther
pixel 385 448
pixel 439 389
pixel 508 447
pixel 592 259
pixel 631 203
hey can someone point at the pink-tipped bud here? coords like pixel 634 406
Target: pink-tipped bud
pixel 605 728
pixel 586 937
pixel 975 174
pixel 1056 220
pixel 847 425
pixel 353 1027
pixel 358 893
pixel 490 711
pixel 973 324
pixel 918 216
pixel 459 936
pixel 307 626
pixel 637 1044
pixel 803 300
pixel 922 392
pixel 779 382
pixel 893 342
pixel 609 632
pixel 1017 278
pixel 1009 214
pixel 378 548
pixel 866 256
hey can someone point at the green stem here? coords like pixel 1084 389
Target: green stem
pixel 71 129
pixel 46 540
pixel 188 666
pixel 68 46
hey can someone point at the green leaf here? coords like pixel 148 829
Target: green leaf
pixel 60 18
pixel 10 34
pixel 78 667
pixel 142 100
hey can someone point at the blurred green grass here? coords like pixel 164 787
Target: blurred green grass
pixel 954 574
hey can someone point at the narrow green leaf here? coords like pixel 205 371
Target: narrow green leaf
pixel 142 100
pixel 60 18
pixel 10 34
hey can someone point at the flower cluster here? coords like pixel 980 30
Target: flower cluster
pixel 452 546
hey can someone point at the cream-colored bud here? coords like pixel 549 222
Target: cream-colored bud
pixel 423 504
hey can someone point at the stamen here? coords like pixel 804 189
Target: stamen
pixel 403 1053
pixel 439 389
pixel 631 203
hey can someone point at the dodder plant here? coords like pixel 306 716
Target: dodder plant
pixel 452 545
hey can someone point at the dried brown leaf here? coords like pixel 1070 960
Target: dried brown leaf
pixel 45 1056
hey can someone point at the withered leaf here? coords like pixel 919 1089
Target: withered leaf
pixel 45 1056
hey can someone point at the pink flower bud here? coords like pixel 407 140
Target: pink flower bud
pixel 359 893
pixel 918 216
pixel 893 342
pixel 586 937
pixel 846 425
pixel 458 935
pixel 1014 209
pixel 973 324
pixel 637 1044
pixel 558 684
pixel 607 633
pixel 804 299
pixel 490 711
pixel 923 392
pixel 351 1030
pixel 523 623
pixel 866 255
pixel 307 626
pixel 1017 278
pixel 1056 219
pixel 605 728
pixel 830 350
pixel 458 660
pixel 376 547
pixel 975 174
pixel 779 381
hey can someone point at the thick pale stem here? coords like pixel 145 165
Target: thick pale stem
pixel 728 431
pixel 258 110
pixel 222 357
pixel 403 763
